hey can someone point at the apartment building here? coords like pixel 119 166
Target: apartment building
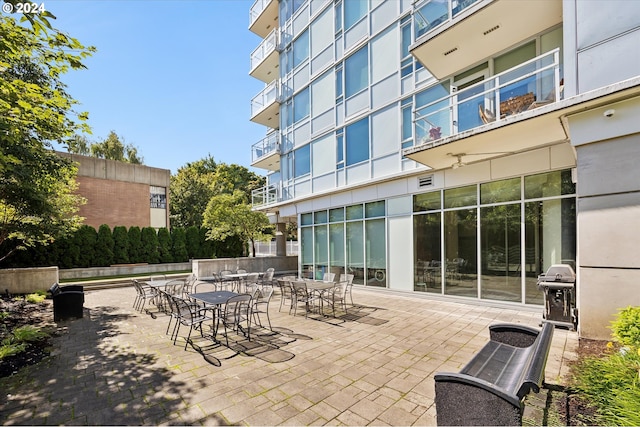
pixel 456 148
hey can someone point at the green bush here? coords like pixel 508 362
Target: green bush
pixel 626 327
pixel 149 248
pixel 164 245
pixel 135 244
pixel 28 333
pixel 36 298
pixel 120 245
pixel 611 383
pixel 104 247
pixel 9 349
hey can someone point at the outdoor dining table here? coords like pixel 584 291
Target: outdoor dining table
pixel 317 286
pixel 213 300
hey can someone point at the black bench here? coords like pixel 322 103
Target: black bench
pixel 490 389
pixel 68 301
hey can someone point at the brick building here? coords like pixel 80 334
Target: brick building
pixel 120 193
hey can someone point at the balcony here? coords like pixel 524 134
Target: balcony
pixel 265 106
pixel 263 17
pixel 451 35
pixel 265 60
pixel 446 125
pixel 265 154
pixel 265 196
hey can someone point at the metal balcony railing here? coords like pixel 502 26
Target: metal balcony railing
pixel 265 196
pixel 267 46
pixel 256 10
pixel 529 85
pixel 428 14
pixel 269 95
pixel 270 144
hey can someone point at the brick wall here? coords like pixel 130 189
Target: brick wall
pixel 114 202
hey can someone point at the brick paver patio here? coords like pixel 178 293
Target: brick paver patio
pixel 375 366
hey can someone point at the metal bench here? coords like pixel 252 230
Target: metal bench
pixel 490 389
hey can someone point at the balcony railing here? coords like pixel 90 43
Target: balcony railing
pixel 428 14
pixel 264 196
pixel 266 146
pixel 267 46
pixel 529 85
pixel 269 95
pixel 256 10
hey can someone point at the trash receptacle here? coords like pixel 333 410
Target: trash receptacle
pixel 558 285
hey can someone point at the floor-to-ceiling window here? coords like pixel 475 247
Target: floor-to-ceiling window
pixel 427 247
pixel 376 244
pixel 355 243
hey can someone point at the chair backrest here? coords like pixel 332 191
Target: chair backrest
pixel 54 289
pixel 328 277
pixel 157 277
pixel 299 288
pixel 182 308
pixel 201 286
pixel 241 271
pixel 268 275
pixel 347 278
pixel 252 278
pixel 340 290
pixel 237 308
pixel 264 294
pixel 224 273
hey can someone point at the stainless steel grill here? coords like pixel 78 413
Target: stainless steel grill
pixel 559 287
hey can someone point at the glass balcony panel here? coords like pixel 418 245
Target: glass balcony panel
pixel 530 85
pixel 266 146
pixel 267 46
pixel 429 14
pixel 268 96
pixel 458 6
pixel 264 196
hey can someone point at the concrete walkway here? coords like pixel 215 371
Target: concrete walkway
pixel 375 366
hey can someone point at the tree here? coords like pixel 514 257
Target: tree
pixel 230 215
pixel 37 200
pixel 150 245
pixel 85 239
pixel 207 247
pixel 120 245
pixel 231 178
pixel 104 247
pixel 164 245
pixel 192 236
pixel 112 148
pixel 179 248
pixel 190 191
pixel 135 244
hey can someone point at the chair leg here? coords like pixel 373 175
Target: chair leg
pixel 188 337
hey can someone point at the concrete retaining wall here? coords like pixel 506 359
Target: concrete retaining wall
pixel 27 280
pixel 122 270
pixel 206 267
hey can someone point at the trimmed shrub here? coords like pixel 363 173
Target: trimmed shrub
pixel 120 245
pixel 135 244
pixel 192 236
pixel 164 245
pixel 104 247
pixel 179 248
pixel 149 241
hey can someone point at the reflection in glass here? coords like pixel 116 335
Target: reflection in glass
pixel 501 253
pixel 550 238
pixel 427 253
pixel 321 251
pixel 336 248
pixel 376 253
pixel 460 245
pixel 306 251
pixel 461 196
pixel 355 251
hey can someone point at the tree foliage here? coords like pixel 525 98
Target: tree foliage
pixel 149 240
pixel 104 247
pixel 164 245
pixel 229 215
pixel 135 244
pixel 37 200
pixel 111 148
pixel 120 245
pixel 179 245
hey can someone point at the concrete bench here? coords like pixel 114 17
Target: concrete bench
pixel 490 389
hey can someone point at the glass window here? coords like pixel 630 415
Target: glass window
pixel 406 40
pixel 338 17
pixel 374 209
pixel 306 219
pixel 501 253
pixel 356 72
pixel 462 196
pixel 506 190
pixel 301 105
pixel 340 149
pixel 427 253
pixel 375 246
pixel 354 212
pixel 302 165
pixel 338 82
pixel 460 252
pixel 357 144
pixel 407 122
pixel 336 247
pixel 549 184
pixel 355 250
pixel 320 217
pixel 353 11
pixel 336 215
pixel 426 201
pixel 301 49
pixel 307 245
pixel 321 248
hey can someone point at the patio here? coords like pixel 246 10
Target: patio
pixel 375 366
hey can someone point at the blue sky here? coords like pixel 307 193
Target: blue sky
pixel 170 77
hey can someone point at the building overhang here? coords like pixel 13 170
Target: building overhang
pixel 482 31
pixel 529 130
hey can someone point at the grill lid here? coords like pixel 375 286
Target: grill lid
pixel 558 273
